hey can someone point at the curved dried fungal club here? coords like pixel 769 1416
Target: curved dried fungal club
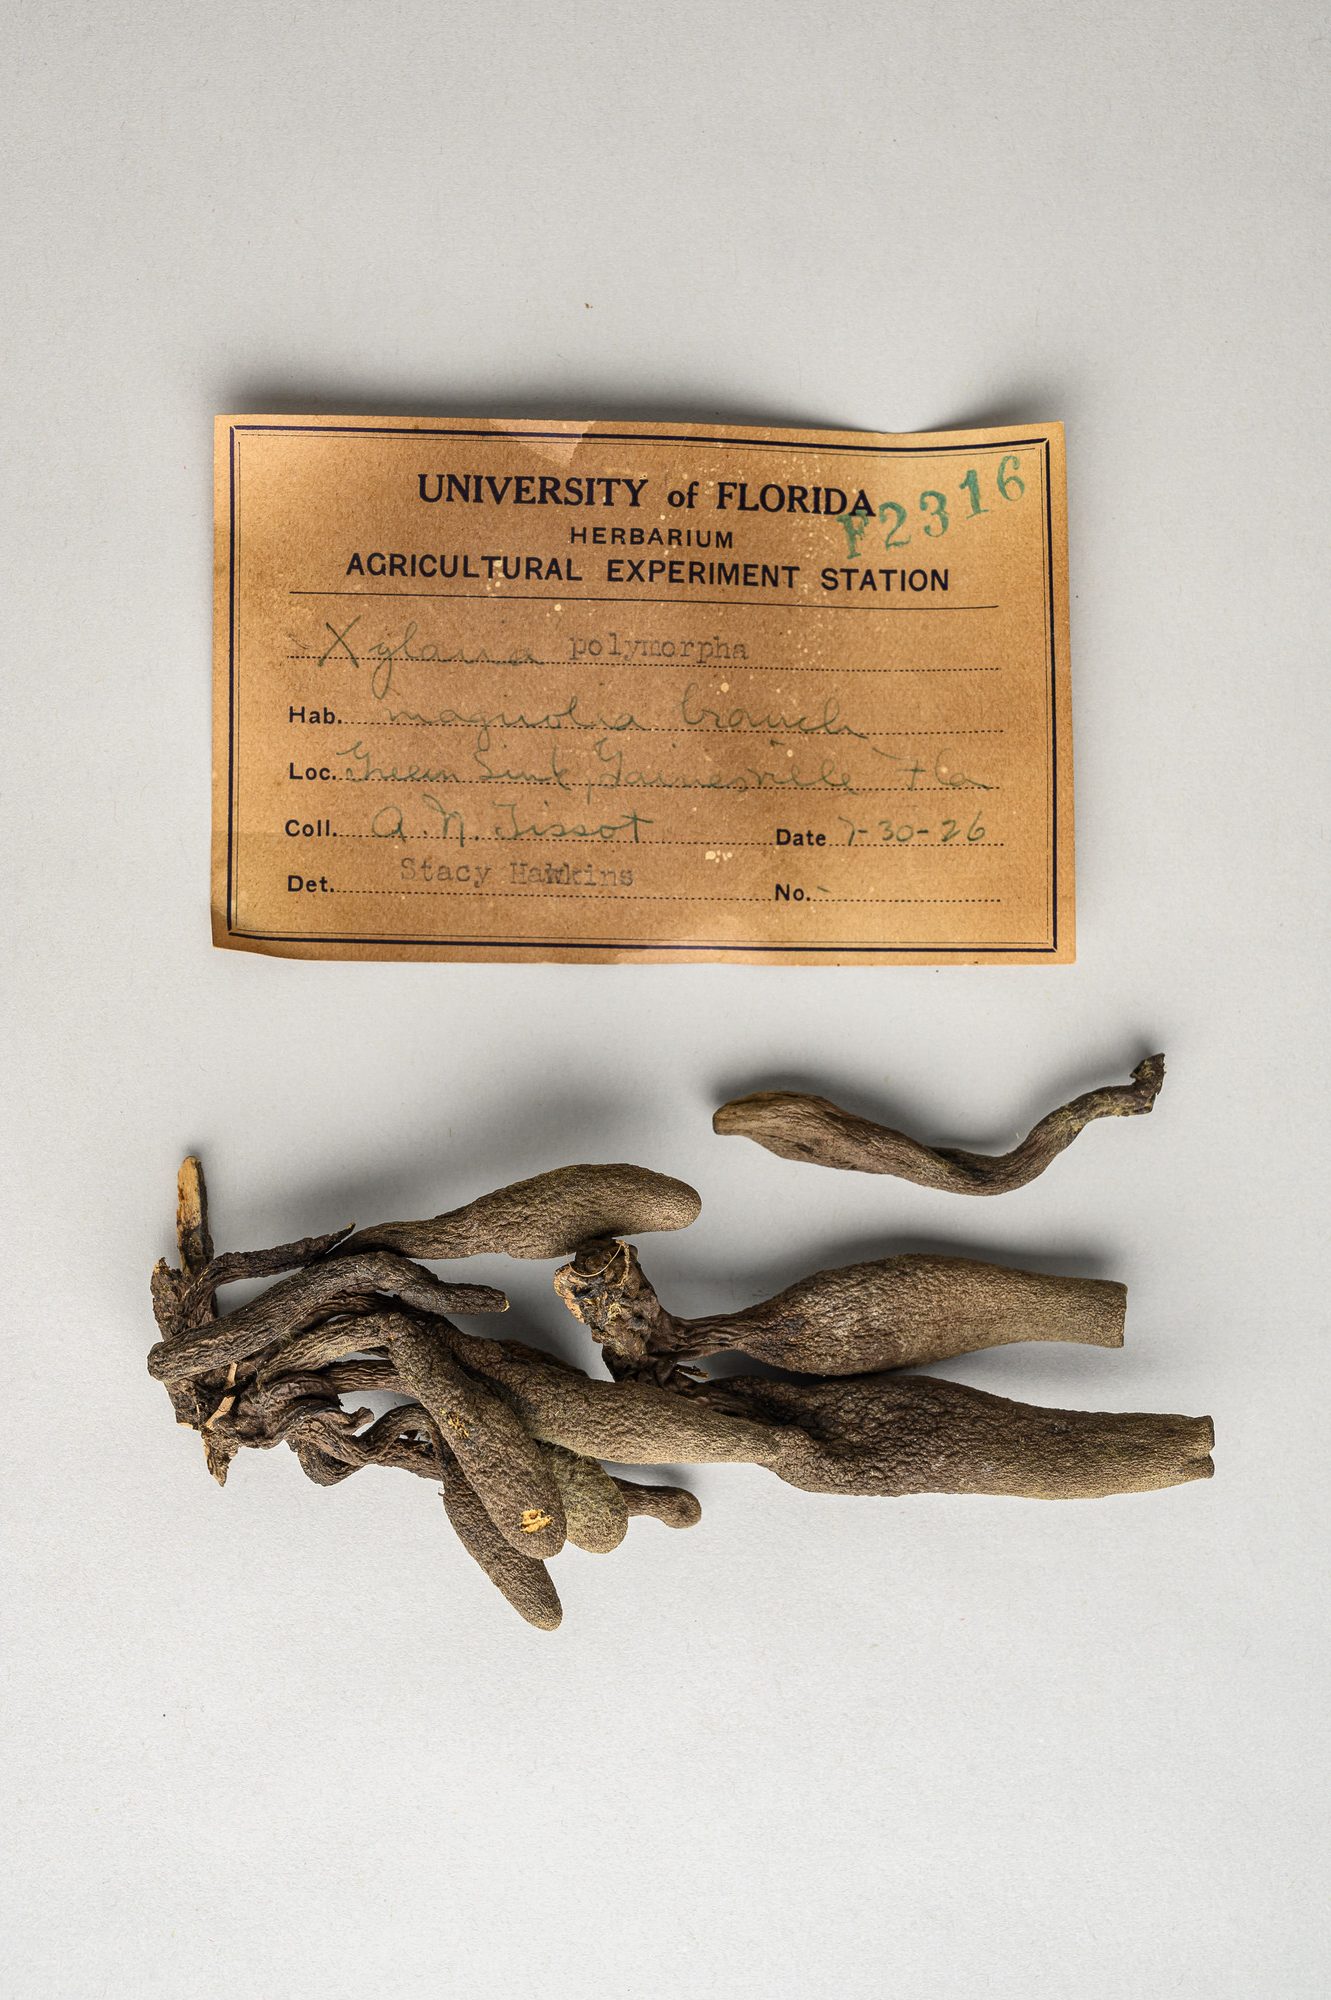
pixel 547 1216
pixel 336 1285
pixel 813 1129
pixel 523 1579
pixel 510 1475
pixel 900 1312
pixel 356 1376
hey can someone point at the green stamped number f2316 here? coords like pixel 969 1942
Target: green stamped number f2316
pixel 934 508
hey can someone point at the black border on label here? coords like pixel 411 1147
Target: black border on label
pixel 493 434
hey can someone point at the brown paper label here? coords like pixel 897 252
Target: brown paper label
pixel 641 692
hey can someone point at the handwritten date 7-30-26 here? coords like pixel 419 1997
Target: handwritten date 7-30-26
pixel 902 833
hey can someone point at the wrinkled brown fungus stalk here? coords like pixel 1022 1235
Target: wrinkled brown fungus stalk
pixel 813 1129
pixel 901 1312
pixel 523 1579
pixel 234 1265
pixel 502 1463
pixel 517 1439
pixel 547 1216
pixel 341 1285
pixel 897 1434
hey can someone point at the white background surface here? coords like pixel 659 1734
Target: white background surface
pixel 279 1741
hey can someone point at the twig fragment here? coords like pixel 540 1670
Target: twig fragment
pixel 193 1236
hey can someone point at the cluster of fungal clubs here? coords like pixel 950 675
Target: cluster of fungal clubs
pixel 519 1440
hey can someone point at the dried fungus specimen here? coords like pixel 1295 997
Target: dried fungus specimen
pixel 901 1312
pixel 547 1216
pixel 368 1319
pixel 518 1441
pixel 898 1434
pixel 523 1579
pixel 813 1129
pixel 501 1461
pixel 346 1285
pixel 596 1516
